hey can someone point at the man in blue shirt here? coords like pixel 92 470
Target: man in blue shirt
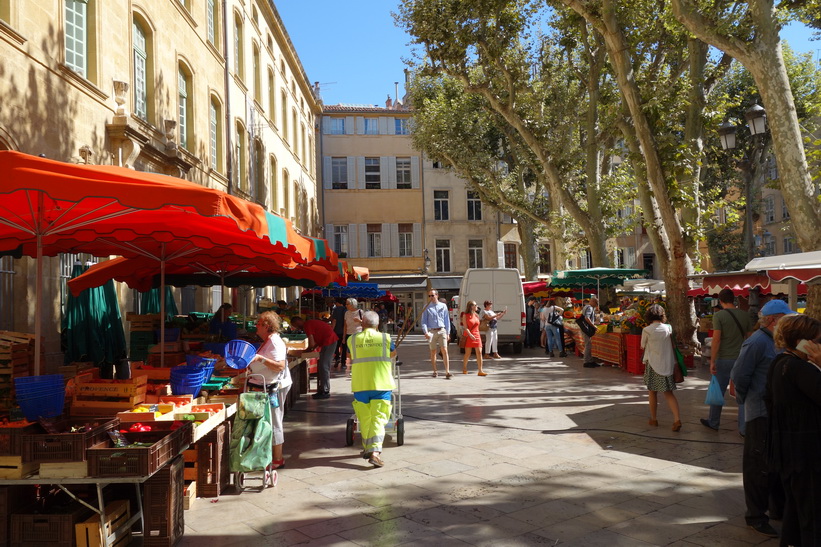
pixel 762 489
pixel 436 327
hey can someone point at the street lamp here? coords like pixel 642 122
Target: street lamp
pixel 426 269
pixel 756 119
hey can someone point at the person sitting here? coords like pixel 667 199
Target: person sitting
pixel 221 323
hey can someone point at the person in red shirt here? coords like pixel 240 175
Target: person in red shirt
pixel 322 338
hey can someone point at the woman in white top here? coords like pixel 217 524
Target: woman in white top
pixel 659 360
pixel 271 361
pixel 353 324
pixel 492 329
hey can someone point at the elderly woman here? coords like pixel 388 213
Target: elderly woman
pixel 353 324
pixel 659 359
pixel 794 407
pixel 469 320
pixel 271 361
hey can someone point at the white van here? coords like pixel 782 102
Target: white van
pixel 503 287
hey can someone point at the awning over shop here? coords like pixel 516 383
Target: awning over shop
pixel 400 283
pixel 446 283
pixel 742 282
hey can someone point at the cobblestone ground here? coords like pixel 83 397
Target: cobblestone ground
pixel 541 451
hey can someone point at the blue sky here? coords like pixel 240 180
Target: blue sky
pixel 355 51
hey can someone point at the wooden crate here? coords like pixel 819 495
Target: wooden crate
pixel 84 406
pixel 189 494
pixel 90 533
pixel 112 388
pixel 166 411
pixel 12 467
pixel 64 470
pixel 147 322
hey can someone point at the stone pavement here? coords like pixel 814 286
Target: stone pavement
pixel 540 452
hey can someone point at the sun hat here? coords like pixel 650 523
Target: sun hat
pixel 774 307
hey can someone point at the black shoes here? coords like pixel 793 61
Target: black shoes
pixel 706 424
pixel 321 395
pixel 562 354
pixel 551 354
pixel 765 528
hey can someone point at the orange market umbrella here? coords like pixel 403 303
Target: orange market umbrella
pixel 205 270
pixel 48 207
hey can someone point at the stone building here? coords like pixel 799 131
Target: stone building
pixel 211 91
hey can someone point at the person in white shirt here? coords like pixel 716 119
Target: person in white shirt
pixel 271 361
pixel 492 319
pixel 659 360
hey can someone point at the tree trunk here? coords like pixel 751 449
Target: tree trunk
pixel 527 249
pixel 694 140
pixel 794 177
pixel 814 300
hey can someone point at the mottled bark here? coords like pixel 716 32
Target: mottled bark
pixel 527 249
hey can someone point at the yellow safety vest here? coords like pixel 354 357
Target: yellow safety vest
pixel 370 361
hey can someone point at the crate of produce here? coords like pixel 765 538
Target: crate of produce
pixel 204 422
pixel 11 435
pixel 90 534
pixel 112 388
pixel 163 444
pixel 148 413
pixel 164 506
pixel 63 445
pixel 53 528
pixel 139 368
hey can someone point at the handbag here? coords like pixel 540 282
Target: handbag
pixel 463 338
pixel 586 327
pixel 680 369
pixel 714 395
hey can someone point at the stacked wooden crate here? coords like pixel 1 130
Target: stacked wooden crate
pixel 16 360
pixel 142 334
pixel 206 462
pixel 96 397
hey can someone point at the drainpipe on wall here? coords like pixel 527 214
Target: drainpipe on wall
pixel 229 148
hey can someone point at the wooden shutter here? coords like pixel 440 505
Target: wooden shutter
pixel 386 240
pixel 329 235
pixel 391 126
pixel 349 125
pixel 417 239
pixel 360 176
pixel 385 173
pixel 383 125
pixel 360 125
pixel 414 171
pixel 327 173
pixel 353 248
pixel 394 237
pixel 326 125
pixel 363 240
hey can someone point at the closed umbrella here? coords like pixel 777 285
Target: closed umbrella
pixel 150 302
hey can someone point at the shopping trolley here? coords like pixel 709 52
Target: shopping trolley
pixel 396 424
pixel 251 438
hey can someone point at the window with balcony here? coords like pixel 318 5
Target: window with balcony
pixel 339 173
pixel 373 176
pixel 374 234
pixel 403 173
pixel 406 240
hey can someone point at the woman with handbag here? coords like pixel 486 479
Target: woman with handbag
pixel 469 320
pixel 492 318
pixel 271 361
pixel 660 363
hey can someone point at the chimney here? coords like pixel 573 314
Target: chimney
pixel 389 103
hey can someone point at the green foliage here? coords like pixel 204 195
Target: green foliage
pixel 726 246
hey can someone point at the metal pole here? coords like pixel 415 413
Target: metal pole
pixel 38 289
pixel 162 305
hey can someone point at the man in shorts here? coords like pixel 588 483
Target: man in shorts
pixel 436 327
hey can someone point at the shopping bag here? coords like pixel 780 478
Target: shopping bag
pixel 714 395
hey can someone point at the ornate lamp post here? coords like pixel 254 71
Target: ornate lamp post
pixel 756 118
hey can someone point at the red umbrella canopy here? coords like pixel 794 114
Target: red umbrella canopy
pixel 47 207
pixel 205 268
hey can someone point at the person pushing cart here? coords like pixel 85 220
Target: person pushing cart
pixel 372 384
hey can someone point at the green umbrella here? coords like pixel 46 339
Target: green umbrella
pixel 595 276
pixel 92 327
pixel 150 302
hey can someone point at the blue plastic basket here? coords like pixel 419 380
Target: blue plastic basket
pixel 187 380
pixel 34 383
pixel 47 405
pixel 238 353
pixel 206 363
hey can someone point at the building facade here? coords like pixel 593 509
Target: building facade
pixel 211 91
pixel 413 224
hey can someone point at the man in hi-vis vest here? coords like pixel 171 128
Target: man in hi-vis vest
pixel 371 383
